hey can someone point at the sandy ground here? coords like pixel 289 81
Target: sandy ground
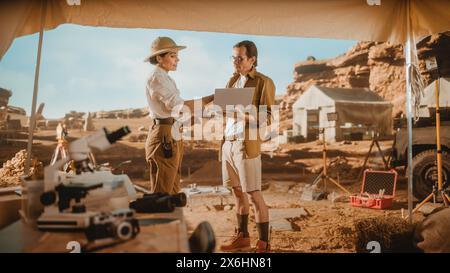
pixel 329 226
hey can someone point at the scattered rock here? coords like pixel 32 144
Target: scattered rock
pixel 428 208
pixel 282 219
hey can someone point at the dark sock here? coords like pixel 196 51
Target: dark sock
pixel 242 220
pixel 263 231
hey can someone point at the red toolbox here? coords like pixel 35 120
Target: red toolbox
pixel 377 190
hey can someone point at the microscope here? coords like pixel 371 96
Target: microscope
pixel 72 199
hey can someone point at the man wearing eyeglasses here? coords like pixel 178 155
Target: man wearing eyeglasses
pixel 241 154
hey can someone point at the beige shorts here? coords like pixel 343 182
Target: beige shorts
pixel 246 172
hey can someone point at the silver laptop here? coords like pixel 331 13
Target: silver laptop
pixel 233 96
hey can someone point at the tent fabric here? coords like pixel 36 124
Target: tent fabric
pixel 312 98
pixel 348 95
pixel 338 19
pixel 316 96
pixel 428 98
pixel 378 115
pixel 433 233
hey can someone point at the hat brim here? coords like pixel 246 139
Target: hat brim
pixel 165 50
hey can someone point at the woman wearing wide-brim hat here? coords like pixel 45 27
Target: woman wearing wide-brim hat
pixel 163 152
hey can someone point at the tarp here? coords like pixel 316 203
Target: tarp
pixel 340 19
pixel 431 235
pixel 429 94
pixel 320 96
pixel 372 114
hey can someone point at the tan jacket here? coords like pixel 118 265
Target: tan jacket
pixel 264 95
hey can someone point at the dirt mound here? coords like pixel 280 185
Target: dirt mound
pixel 393 234
pixel 14 168
pixel 210 172
pixel 337 237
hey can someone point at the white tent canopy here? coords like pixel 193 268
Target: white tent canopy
pixel 371 20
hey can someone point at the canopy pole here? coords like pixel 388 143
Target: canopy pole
pixel 35 90
pixel 408 110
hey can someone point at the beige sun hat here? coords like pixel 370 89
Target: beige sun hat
pixel 162 45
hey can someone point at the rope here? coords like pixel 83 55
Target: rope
pixel 417 89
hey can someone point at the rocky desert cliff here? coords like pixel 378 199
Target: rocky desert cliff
pixel 374 65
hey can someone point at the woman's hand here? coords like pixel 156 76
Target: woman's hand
pixel 205 100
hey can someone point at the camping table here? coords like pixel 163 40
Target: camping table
pixel 160 232
pixel 206 191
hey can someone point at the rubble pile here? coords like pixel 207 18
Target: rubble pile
pixel 14 168
pixel 393 233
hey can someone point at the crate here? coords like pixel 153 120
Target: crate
pixel 373 183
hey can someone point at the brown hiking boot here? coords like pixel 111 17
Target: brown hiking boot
pixel 262 247
pixel 237 243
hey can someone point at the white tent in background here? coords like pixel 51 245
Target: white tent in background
pixel 398 21
pixel 361 108
pixel 428 98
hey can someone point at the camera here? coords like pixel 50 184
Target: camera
pixel 119 225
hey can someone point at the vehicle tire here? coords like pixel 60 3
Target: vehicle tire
pixel 425 172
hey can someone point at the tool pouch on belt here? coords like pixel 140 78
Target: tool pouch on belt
pixel 167 148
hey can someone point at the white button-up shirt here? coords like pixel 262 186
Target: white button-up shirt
pixel 234 127
pixel 162 94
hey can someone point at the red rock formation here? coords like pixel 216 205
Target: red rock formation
pixel 374 65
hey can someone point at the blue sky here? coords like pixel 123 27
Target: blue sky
pixel 92 69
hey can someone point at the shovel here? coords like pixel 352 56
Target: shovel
pixel 312 193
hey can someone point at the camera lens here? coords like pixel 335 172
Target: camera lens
pixel 153 203
pixel 179 199
pixel 124 231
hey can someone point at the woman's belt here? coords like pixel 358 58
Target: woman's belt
pixel 168 121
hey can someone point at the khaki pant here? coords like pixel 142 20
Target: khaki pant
pixel 241 171
pixel 164 172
